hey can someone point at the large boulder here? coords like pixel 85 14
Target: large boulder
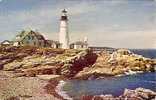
pixel 137 94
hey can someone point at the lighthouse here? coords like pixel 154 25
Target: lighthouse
pixel 63 34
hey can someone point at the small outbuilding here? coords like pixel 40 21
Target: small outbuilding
pixel 79 45
pixel 6 42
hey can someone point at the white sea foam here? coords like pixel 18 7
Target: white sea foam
pixel 62 93
pixel 153 82
pixel 130 72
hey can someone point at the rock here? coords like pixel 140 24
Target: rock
pixel 104 97
pixel 119 62
pixel 29 59
pixel 86 97
pixel 140 94
pixel 40 70
pixel 146 93
pixel 137 94
pixel 3 62
pixel 12 66
pixel 48 77
pixel 72 63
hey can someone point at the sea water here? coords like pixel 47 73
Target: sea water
pixel 112 85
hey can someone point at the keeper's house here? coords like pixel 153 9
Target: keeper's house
pixel 33 38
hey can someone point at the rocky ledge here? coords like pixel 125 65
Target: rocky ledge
pixel 83 64
pixel 32 61
pixel 137 94
pixel 120 62
pixel 27 65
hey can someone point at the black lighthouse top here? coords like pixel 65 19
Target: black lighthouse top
pixel 64 15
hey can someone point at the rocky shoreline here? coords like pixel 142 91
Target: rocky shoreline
pixel 120 62
pixel 53 65
pixel 137 94
pixel 53 86
pixel 81 64
pixel 60 92
pixel 128 94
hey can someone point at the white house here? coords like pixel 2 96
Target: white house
pixel 6 42
pixel 79 45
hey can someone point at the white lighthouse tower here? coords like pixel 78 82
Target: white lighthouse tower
pixel 63 34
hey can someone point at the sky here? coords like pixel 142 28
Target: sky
pixel 106 23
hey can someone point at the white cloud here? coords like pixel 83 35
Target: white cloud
pixel 40 18
pixel 42 15
pixel 136 39
pixel 46 20
pixel 81 9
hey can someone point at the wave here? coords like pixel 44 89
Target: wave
pixel 153 82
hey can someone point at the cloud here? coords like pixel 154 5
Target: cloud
pixel 118 2
pixel 43 18
pixel 133 39
pixel 81 9
pixel 105 23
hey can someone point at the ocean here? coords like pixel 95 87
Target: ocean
pixel 149 53
pixel 114 85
